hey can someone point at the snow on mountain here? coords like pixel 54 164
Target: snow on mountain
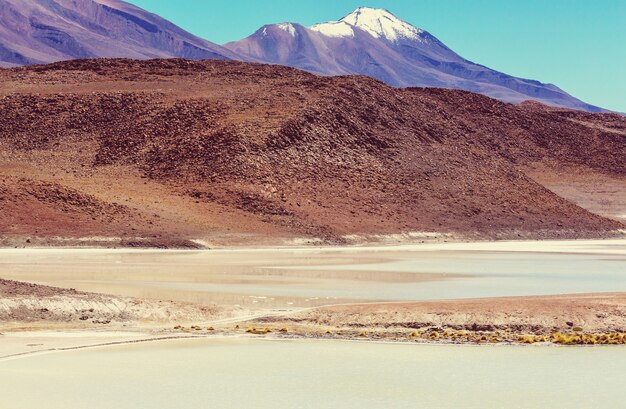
pixel 288 27
pixel 334 29
pixel 382 24
pixel 378 23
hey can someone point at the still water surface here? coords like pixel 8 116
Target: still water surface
pixel 316 374
pixel 309 277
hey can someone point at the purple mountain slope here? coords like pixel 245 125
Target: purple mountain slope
pixel 41 31
pixel 376 43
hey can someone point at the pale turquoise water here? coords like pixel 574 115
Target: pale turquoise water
pixel 500 274
pixel 309 277
pixel 316 374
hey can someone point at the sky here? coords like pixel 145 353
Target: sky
pixel 579 45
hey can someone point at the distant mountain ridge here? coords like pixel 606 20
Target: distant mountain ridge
pixel 374 42
pixel 43 31
pixel 367 41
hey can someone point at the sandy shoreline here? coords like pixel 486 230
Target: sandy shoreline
pixel 596 319
pixel 445 243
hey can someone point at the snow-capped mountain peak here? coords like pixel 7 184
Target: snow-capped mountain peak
pixel 380 23
pixel 374 42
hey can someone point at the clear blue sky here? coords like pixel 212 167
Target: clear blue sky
pixel 579 45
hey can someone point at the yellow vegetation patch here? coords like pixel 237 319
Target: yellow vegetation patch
pixel 255 331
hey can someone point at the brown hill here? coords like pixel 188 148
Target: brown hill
pixel 164 151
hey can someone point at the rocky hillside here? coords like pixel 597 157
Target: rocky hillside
pixel 162 152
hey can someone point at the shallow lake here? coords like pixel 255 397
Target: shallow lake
pixel 234 373
pixel 283 278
